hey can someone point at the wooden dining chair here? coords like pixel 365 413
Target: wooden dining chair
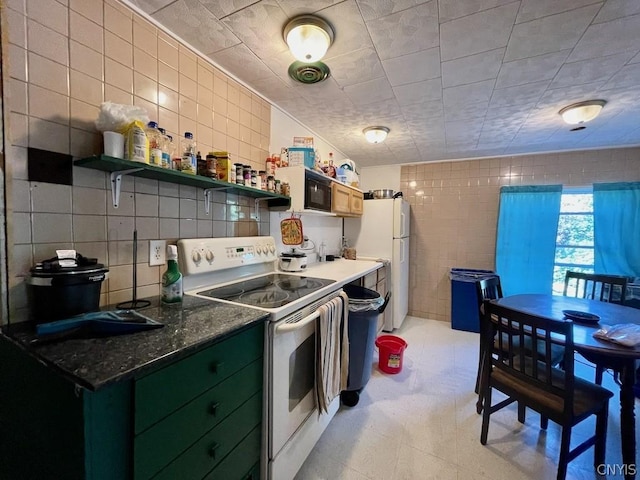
pixel 491 289
pixel 528 377
pixel 594 286
pixel 486 289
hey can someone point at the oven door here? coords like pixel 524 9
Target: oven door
pixel 317 194
pixel 293 395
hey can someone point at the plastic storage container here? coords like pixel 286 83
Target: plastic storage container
pixel 364 307
pixel 465 314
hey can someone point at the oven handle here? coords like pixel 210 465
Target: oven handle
pixel 291 327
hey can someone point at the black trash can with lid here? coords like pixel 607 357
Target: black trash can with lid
pixel 56 291
pixel 465 313
pixel 364 307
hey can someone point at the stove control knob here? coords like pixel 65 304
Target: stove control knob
pixel 209 256
pixel 259 250
pixel 272 248
pixel 196 257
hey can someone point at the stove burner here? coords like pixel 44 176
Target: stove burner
pixel 268 291
pixel 266 299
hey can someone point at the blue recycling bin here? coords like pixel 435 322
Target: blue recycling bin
pixel 465 314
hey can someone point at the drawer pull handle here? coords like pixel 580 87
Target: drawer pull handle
pixel 212 450
pixel 213 408
pixel 216 366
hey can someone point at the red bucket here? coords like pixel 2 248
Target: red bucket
pixel 391 349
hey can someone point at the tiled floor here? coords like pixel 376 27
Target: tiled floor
pixel 421 423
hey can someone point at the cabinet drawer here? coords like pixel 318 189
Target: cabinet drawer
pixel 164 391
pixel 370 280
pixel 234 466
pixel 158 445
pixel 205 455
pixel 382 273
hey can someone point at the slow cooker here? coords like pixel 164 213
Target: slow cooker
pixel 56 292
pixel 292 261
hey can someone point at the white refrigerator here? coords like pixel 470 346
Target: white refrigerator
pixel 383 232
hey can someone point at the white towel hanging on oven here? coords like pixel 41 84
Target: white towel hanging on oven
pixel 332 361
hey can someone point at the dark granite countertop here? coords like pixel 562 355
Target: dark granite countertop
pixel 96 362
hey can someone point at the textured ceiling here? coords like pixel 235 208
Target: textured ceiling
pixel 450 78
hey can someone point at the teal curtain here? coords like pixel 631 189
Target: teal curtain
pixel 616 228
pixel 526 238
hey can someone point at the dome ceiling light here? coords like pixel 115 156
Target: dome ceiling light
pixel 582 112
pixel 308 37
pixel 375 134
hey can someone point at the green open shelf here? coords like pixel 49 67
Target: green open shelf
pixel 112 164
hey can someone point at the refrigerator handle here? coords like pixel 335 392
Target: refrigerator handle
pixel 402 225
pixel 402 249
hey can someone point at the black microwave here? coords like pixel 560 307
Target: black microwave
pixel 317 191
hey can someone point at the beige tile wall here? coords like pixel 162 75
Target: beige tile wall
pixel 454 211
pixel 61 59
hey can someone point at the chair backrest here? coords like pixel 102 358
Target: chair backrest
pixel 488 289
pixel 606 288
pixel 510 329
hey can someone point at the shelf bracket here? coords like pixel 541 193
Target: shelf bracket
pixel 207 197
pixel 116 181
pixel 257 207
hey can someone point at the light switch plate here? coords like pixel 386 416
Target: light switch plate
pixel 157 252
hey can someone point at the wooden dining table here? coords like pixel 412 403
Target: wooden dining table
pixel 610 355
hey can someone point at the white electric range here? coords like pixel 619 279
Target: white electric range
pixel 242 270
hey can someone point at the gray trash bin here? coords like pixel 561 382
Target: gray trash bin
pixel 364 307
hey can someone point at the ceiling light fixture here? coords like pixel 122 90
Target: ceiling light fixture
pixel 309 37
pixel 375 134
pixel 582 112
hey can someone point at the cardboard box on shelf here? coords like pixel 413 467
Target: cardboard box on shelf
pixel 301 156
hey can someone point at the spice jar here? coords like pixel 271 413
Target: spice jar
pixel 271 166
pixel 246 174
pixel 210 168
pixel 286 191
pixel 271 183
pixel 262 182
pixel 239 173
pixel 278 186
pixel 254 178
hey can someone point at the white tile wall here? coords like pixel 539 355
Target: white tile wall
pixel 64 60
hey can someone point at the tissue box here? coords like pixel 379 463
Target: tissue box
pixel 302 156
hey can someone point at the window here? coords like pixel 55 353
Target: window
pixel 574 241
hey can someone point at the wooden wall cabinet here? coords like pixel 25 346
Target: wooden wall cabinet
pixel 346 201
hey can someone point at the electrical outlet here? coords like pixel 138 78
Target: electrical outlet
pixel 157 252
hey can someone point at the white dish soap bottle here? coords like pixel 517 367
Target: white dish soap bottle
pixel 172 278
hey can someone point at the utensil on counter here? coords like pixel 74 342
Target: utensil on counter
pixel 134 302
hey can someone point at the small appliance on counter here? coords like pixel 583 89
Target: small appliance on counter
pixel 292 261
pixel 64 286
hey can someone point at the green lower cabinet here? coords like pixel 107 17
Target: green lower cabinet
pixel 205 455
pixel 236 465
pixel 157 446
pixel 208 422
pixel 51 429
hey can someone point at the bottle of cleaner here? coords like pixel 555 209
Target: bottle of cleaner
pixel 172 278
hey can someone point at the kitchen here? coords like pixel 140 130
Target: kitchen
pixel 65 59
